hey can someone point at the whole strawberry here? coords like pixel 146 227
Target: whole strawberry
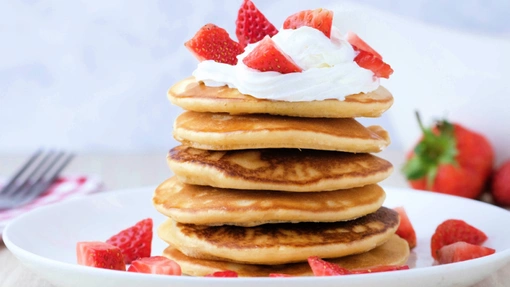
pixel 500 186
pixel 450 159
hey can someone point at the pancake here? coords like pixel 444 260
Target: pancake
pixel 281 243
pixel 194 96
pixel 226 132
pixel 207 205
pixel 394 252
pixel 277 169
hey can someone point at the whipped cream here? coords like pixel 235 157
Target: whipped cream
pixel 329 70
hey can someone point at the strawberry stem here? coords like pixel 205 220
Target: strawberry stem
pixel 437 147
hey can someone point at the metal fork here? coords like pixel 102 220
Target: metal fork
pixel 33 178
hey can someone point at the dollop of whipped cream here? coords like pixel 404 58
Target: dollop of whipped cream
pixel 329 70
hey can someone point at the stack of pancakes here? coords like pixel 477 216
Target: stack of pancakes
pixel 262 185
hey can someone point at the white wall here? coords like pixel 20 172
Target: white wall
pixel 91 75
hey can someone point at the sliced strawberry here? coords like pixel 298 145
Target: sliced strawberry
pixel 374 64
pixel 461 251
pixel 358 44
pixel 320 19
pixel 100 254
pixel 213 43
pixel 324 268
pixel 251 25
pixel 226 273
pixel 155 265
pixel 376 269
pixel 452 231
pixel 279 275
pixel 268 57
pixel 405 229
pixel 135 241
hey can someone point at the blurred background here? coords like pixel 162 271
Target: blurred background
pixel 91 76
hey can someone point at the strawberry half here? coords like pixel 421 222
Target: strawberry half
pixel 461 251
pixel 324 268
pixel 320 19
pixel 358 44
pixel 268 57
pixel 370 62
pixel 213 43
pixel 226 273
pixel 155 265
pixel 251 25
pixel 452 231
pixel 405 229
pixel 100 254
pixel 135 241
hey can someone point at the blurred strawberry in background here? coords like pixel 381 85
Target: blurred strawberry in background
pixel 500 185
pixel 450 159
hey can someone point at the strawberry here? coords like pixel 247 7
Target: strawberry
pixel 324 268
pixel 383 268
pixel 268 57
pixel 452 231
pixel 135 241
pixel 370 62
pixel 213 43
pixel 226 273
pixel 320 19
pixel 358 44
pixel 405 229
pixel 251 25
pixel 501 185
pixel 279 275
pixel 100 254
pixel 450 159
pixel 461 251
pixel 155 265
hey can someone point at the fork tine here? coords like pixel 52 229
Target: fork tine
pixel 44 179
pixel 27 164
pixel 33 175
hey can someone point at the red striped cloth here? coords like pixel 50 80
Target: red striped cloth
pixel 63 188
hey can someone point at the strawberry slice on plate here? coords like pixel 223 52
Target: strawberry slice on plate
pixel 324 268
pixel 268 57
pixel 358 44
pixel 251 25
pixel 320 19
pixel 370 62
pixel 279 275
pixel 134 242
pixel 454 230
pixel 213 43
pixel 155 265
pixel 461 251
pixel 226 273
pixel 405 229
pixel 100 254
pixel 376 269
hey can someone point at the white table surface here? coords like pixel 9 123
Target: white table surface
pixel 128 171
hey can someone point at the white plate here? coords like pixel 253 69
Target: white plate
pixel 44 240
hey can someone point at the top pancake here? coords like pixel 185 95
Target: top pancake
pixel 394 252
pixel 192 95
pixel 231 132
pixel 277 169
